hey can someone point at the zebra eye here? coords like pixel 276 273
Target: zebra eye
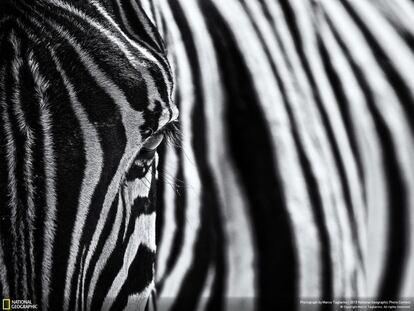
pixel 149 148
pixel 153 142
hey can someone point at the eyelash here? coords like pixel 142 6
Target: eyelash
pixel 171 133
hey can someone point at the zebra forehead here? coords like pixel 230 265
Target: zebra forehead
pixel 104 63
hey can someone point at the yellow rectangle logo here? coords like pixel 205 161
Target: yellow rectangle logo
pixel 6 304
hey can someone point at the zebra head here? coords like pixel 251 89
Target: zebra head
pixel 84 103
pixel 293 178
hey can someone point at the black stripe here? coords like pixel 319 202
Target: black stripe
pixel 141 266
pixel 161 184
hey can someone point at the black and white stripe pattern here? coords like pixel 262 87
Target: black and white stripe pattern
pixel 295 173
pixel 292 177
pixel 79 100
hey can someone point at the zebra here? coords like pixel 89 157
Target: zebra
pixel 291 176
pixel 78 156
pixel 305 175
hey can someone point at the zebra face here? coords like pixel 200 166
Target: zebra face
pixel 84 104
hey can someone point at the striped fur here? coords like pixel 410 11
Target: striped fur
pixel 295 173
pixel 292 177
pixel 79 98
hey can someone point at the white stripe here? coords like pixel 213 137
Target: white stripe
pixel 50 173
pixel 169 227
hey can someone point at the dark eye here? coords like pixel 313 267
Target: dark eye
pixel 153 142
pixel 150 145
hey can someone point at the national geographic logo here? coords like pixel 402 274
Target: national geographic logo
pixel 15 304
pixel 5 304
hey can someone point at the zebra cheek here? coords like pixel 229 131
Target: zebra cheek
pixel 139 196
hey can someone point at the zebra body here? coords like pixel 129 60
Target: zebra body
pixel 292 177
pixel 311 99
